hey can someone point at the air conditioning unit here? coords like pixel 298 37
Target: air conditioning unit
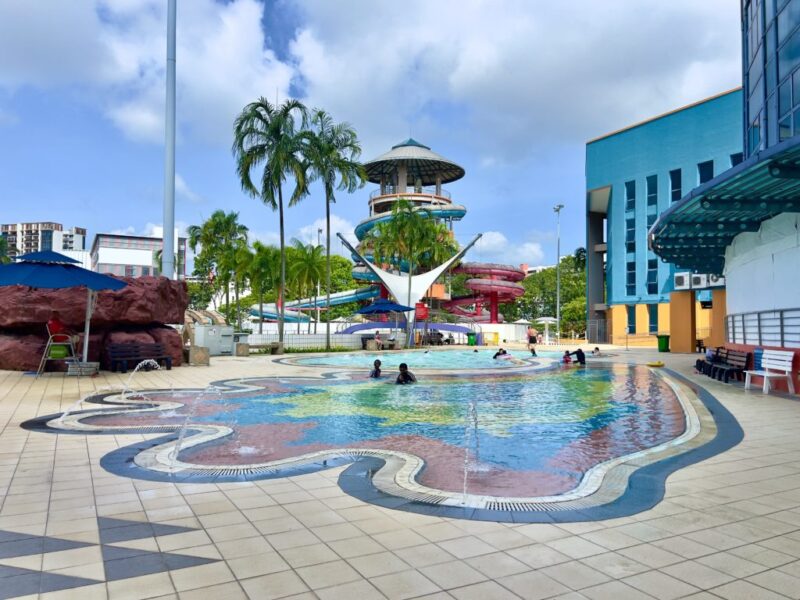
pixel 682 281
pixel 716 281
pixel 699 281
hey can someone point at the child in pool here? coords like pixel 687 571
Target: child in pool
pixel 567 359
pixel 405 376
pixel 376 369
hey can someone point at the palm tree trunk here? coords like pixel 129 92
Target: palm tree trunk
pixel 238 312
pixel 411 321
pixel 328 269
pixel 281 313
pixel 228 299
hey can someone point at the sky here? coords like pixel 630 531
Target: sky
pixel 509 89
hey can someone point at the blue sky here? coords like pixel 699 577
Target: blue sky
pixel 510 89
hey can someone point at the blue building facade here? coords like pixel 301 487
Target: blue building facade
pixel 771 72
pixel 632 176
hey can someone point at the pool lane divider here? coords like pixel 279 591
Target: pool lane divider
pixel 388 478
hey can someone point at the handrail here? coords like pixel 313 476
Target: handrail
pixel 427 190
pixel 780 327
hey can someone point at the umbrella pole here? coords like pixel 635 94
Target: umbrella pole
pixel 89 309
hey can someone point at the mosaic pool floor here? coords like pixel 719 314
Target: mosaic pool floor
pixel 728 526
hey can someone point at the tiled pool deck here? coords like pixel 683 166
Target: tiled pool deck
pixel 728 527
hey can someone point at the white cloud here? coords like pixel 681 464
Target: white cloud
pixel 117 48
pixel 308 233
pixel 183 190
pixel 155 230
pixel 517 75
pixel 494 246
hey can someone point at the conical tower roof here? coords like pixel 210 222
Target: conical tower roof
pixel 421 162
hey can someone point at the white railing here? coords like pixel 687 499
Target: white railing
pixel 428 190
pixel 779 328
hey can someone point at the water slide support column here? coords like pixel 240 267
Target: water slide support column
pixel 168 247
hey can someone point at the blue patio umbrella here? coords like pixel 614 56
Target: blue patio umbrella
pixel 51 270
pixel 383 306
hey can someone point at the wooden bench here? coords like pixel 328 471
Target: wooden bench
pixel 119 355
pixel 704 366
pixel 775 364
pixel 734 365
pixel 700 345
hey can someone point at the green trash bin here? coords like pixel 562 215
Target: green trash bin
pixel 471 339
pixel 58 352
pixel 663 343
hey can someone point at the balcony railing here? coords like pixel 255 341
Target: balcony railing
pixel 428 190
pixel 765 328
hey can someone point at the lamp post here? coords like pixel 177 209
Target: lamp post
pixel 557 209
pixel 319 243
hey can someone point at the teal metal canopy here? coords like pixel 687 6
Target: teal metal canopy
pixel 694 232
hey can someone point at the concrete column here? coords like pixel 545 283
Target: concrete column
pixel 617 323
pixel 642 319
pixel 718 312
pixel 595 277
pixel 438 185
pixel 682 321
pixel 402 178
pixel 383 184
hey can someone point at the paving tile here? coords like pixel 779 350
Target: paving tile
pixel 660 585
pixel 483 591
pixel 452 575
pixel 381 563
pixel 651 555
pixel 778 581
pixel 223 591
pixel 576 547
pixel 357 546
pixel 304 556
pixel 744 590
pixel 362 590
pixel 533 585
pixel 575 575
pixel 257 564
pixel 732 565
pixel 276 585
pixel 498 564
pixel 614 590
pixel 246 547
pixel 328 574
pixel 406 584
pixel 466 547
pixel 424 555
pixel 697 574
pixel 615 565
pixel 538 555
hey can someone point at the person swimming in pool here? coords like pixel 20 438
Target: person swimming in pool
pixel 376 369
pixel 500 353
pixel 405 376
pixel 579 356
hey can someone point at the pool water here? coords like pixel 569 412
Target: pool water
pixel 529 434
pixel 420 359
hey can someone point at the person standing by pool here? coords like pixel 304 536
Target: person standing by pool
pixel 405 376
pixel 376 369
pixel 532 339
pixel 378 340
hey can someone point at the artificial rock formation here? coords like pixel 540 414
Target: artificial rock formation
pixel 136 313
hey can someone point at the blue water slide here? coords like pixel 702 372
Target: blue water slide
pixel 449 211
pixel 373 325
pixel 270 311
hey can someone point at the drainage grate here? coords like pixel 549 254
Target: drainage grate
pixel 522 506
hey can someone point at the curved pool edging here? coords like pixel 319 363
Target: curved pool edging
pixel 373 476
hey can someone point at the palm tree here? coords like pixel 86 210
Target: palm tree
pixel 307 269
pixel 411 239
pixel 332 151
pixel 264 272
pixel 580 258
pixel 220 236
pixel 265 134
pixel 4 250
pixel 178 262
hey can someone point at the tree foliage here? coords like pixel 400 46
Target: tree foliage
pixel 539 299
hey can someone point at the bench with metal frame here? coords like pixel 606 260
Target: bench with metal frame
pixel 775 364
pixel 734 365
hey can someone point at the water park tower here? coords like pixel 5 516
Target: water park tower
pixel 413 172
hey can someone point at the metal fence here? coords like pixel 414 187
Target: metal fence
pixel 311 341
pixel 765 328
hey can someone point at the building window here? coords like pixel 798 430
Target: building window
pixel 652 313
pixel 652 276
pixel 737 158
pixel 675 192
pixel 631 318
pixel 630 234
pixel 652 190
pixel 651 218
pixel 630 195
pixel 130 271
pixel 145 270
pixel 630 281
pixel 705 171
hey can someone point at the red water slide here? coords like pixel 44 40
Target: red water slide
pixel 492 285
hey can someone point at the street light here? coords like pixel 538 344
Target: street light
pixel 319 243
pixel 557 209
